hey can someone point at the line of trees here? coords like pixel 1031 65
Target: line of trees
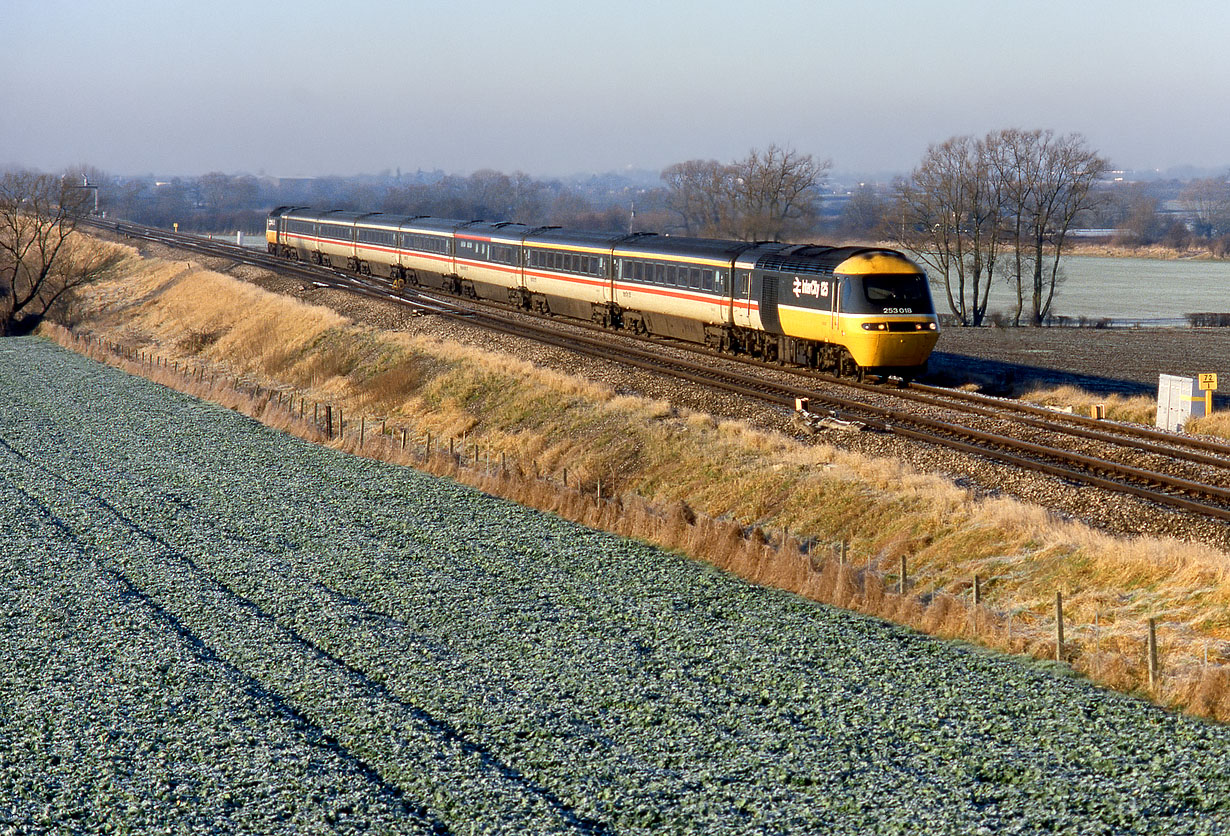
pixel 772 193
pixel 998 207
pixel 976 210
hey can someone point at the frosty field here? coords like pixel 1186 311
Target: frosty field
pixel 209 626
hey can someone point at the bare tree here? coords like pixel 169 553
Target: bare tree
pixel 701 193
pixel 864 214
pixel 1141 223
pixel 38 264
pixel 770 194
pixel 776 193
pixel 1208 201
pixel 1047 181
pixel 951 219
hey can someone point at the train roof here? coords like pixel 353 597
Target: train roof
pixel 672 246
pixel 383 221
pixel 814 258
pixel 551 236
pixel 502 231
pixel 438 226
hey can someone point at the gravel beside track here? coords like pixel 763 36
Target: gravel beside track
pixel 210 626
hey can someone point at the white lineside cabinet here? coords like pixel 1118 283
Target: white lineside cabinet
pixel 1178 399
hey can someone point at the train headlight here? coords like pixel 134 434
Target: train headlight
pixel 875 326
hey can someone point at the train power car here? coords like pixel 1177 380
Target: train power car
pixel 850 310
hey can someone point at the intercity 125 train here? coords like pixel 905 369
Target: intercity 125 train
pixel 854 311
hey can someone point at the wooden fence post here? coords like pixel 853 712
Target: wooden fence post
pixel 977 600
pixel 362 430
pixel 1152 644
pixel 1058 626
pixel 1097 643
pixel 329 420
pixel 901 580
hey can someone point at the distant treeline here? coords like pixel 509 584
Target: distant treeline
pixel 771 193
pixel 1208 320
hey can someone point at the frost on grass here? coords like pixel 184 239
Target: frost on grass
pixel 210 626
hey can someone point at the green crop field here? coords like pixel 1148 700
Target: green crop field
pixel 209 626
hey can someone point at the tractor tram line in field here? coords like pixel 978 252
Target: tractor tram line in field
pixel 1183 473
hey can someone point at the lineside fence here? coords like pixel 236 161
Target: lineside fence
pixel 1167 660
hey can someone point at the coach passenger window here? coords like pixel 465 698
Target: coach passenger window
pixel 706 280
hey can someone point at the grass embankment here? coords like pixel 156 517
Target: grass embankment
pixel 687 481
pixel 1140 409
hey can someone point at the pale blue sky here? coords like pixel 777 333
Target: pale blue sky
pixel 313 88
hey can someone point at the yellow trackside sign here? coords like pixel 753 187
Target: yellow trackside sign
pixel 1208 383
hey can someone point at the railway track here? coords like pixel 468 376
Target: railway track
pixel 1188 474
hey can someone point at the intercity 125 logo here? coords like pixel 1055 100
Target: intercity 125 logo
pixel 813 288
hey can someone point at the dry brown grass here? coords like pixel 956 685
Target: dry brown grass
pixel 690 483
pixel 1139 409
pixel 1217 425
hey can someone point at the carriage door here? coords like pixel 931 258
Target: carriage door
pixel 834 287
pixel 741 292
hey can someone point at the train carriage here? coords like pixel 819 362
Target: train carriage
pixel 677 287
pixel 488 262
pixel 425 252
pixel 569 273
pixel 325 238
pixel 335 244
pixel 376 245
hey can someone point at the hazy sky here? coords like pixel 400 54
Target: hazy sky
pixel 313 88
